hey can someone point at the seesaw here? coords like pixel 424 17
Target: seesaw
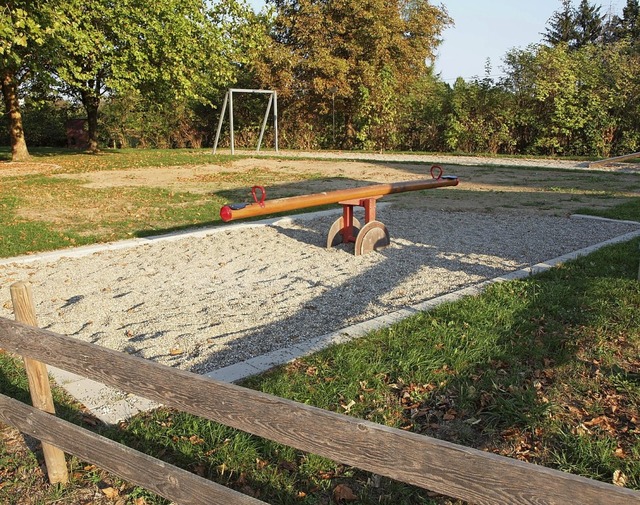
pixel 372 236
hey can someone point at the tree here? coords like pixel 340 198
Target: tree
pixel 561 26
pixel 575 101
pixel 423 115
pixel 520 81
pixel 589 24
pixel 360 55
pixel 166 49
pixel 631 19
pixel 23 28
pixel 481 116
pixel 627 27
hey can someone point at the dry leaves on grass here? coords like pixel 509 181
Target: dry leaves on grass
pixel 619 478
pixel 110 492
pixel 343 493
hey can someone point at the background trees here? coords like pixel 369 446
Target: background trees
pixel 24 28
pixel 158 53
pixel 154 74
pixel 165 50
pixel 362 55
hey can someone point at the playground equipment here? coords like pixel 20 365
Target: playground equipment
pixel 372 236
pixel 228 99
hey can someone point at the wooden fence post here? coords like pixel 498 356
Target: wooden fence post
pixel 38 377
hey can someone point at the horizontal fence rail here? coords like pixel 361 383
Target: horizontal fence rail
pixel 164 479
pixel 453 470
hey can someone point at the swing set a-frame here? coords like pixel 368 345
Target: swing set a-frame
pixel 228 99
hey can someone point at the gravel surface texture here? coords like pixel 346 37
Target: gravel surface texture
pixel 200 303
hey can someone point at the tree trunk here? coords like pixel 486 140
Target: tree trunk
pixel 19 151
pixel 91 104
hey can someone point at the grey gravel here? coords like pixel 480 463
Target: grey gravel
pixel 201 303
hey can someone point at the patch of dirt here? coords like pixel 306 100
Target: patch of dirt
pixel 11 169
pixel 482 188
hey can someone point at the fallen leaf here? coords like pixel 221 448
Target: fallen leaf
pixel 110 492
pixel 597 421
pixel 619 478
pixel 347 408
pixel 450 415
pixel 175 351
pixel 140 501
pixel 342 493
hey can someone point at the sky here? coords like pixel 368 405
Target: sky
pixel 488 29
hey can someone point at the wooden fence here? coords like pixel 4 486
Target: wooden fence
pixel 443 467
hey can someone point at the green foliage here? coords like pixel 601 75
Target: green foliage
pixel 589 24
pixel 575 101
pixel 133 120
pixel 561 27
pixel 167 50
pixel 360 56
pixel 480 118
pixel 627 27
pixel 45 123
pixel 575 27
pixel 22 29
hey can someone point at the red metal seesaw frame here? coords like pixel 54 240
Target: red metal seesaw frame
pixel 372 236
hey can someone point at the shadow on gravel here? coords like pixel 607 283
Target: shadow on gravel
pixel 432 253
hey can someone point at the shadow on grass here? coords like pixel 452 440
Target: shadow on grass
pixel 43 152
pixel 495 372
pixel 483 372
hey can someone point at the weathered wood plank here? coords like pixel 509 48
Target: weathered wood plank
pixel 153 474
pixel 38 378
pixel 614 159
pixel 450 469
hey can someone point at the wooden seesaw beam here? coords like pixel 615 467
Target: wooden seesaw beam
pixel 373 235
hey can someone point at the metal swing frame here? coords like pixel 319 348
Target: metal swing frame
pixel 228 99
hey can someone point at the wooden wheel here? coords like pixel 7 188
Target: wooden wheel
pixel 335 232
pixel 373 236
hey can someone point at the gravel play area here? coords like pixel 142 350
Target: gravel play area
pixel 203 302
